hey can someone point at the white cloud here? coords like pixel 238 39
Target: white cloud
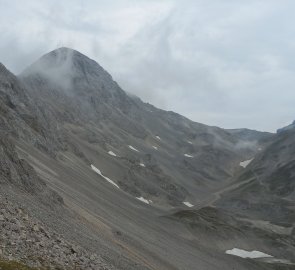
pixel 226 63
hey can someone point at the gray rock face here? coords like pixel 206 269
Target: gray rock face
pixel 23 118
pixel 80 98
pixel 267 185
pixel 65 113
pixel 18 173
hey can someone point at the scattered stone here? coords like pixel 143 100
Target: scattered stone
pixel 35 228
pixel 25 239
pixel 92 257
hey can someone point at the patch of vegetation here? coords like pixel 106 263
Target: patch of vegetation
pixel 13 265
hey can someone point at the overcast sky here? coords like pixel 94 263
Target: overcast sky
pixel 229 63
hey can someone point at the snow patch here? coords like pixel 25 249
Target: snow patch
pixel 132 148
pixel 155 147
pixel 190 142
pixel 141 164
pixel 158 137
pixel 144 200
pixel 188 204
pixel 189 156
pixel 106 178
pixel 247 254
pixel 112 153
pixel 245 163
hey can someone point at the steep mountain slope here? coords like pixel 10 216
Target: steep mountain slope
pixel 267 184
pixel 18 121
pixel 22 118
pixel 124 170
pixel 264 192
pixel 158 155
pixel 256 210
pixel 23 237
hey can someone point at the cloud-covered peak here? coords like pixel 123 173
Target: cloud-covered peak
pixel 65 66
pixel 61 60
pixel 224 63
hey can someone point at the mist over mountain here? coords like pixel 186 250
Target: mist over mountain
pixel 117 183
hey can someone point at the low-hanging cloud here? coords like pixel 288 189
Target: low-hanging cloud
pixel 56 68
pixel 226 63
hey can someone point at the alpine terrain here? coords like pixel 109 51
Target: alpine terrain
pixel 95 178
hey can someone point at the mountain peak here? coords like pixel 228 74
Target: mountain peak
pixel 62 55
pixel 63 49
pixel 61 58
pixel 65 65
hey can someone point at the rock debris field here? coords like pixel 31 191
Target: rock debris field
pixel 26 240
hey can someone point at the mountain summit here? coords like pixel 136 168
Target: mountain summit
pixel 66 67
pixel 65 60
pixel 73 78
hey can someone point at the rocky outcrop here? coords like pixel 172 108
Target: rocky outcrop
pixel 19 174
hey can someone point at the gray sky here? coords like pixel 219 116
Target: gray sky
pixel 229 63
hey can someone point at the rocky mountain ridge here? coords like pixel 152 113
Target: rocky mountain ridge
pixel 87 104
pixel 267 183
pixel 140 187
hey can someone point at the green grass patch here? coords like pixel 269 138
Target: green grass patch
pixel 13 265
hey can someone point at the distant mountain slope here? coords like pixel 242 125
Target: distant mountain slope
pixel 181 158
pixel 267 184
pixel 287 128
pixel 121 166
pixel 251 135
